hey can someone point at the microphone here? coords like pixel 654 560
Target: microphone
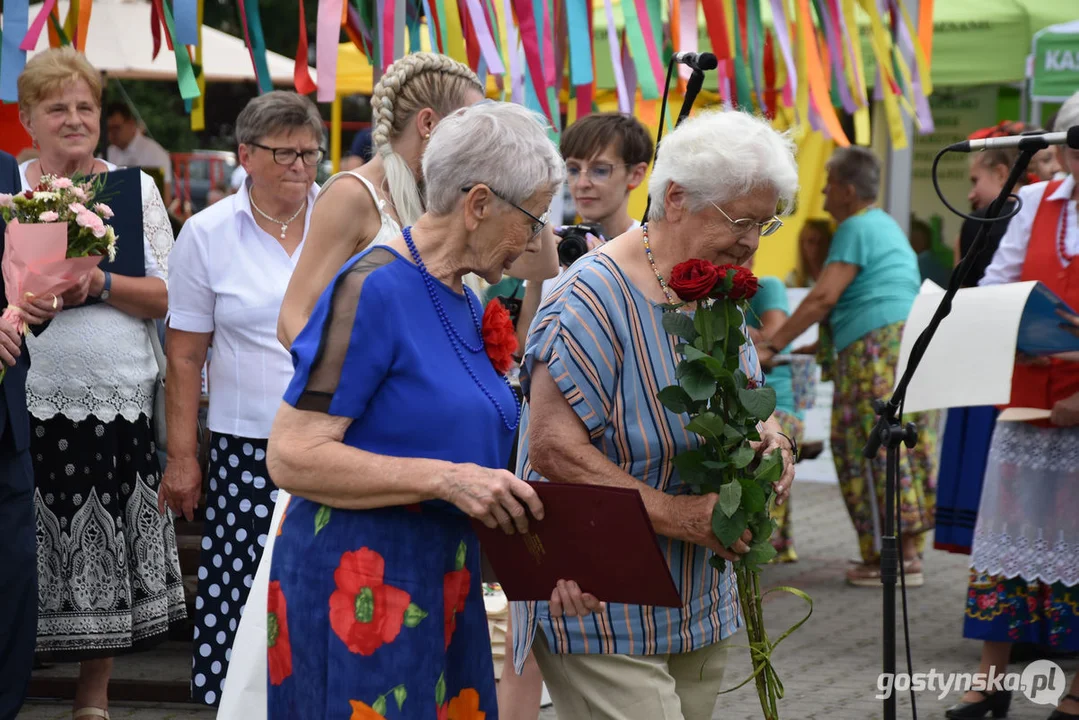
pixel 697 61
pixel 1037 141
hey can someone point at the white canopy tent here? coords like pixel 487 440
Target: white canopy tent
pixel 120 44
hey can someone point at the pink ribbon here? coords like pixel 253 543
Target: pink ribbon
pixel 486 40
pixel 782 31
pixel 550 73
pixel 328 32
pixel 624 105
pixel 836 52
pixel 687 32
pixel 29 41
pixel 629 68
pixel 650 41
pixel 530 39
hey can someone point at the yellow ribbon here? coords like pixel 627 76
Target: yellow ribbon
pixel 882 43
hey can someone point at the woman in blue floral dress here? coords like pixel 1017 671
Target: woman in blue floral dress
pixel 394 433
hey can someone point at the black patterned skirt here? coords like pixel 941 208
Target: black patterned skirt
pixel 239 507
pixel 108 571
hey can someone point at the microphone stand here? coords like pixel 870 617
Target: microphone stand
pixel 891 434
pixel 693 88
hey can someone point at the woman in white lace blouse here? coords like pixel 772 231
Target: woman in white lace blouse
pixel 109 575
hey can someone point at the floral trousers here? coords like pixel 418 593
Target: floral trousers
pixel 783 537
pixel 864 372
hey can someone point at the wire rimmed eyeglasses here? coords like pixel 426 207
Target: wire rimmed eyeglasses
pixel 744 226
pixel 538 223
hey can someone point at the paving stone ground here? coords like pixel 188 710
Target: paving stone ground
pixel 829 667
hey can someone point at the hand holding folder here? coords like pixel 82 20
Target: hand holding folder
pixel 597 536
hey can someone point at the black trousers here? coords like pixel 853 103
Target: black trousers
pixel 18 577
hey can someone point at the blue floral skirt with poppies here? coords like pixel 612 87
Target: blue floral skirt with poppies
pixel 377 614
pixel 999 609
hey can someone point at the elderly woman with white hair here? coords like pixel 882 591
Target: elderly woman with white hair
pixel 594 362
pixel 395 431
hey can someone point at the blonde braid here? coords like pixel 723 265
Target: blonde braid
pixel 410 84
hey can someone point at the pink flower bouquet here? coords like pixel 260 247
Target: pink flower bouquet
pixel 55 235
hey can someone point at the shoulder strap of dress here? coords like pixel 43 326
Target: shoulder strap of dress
pixel 379 202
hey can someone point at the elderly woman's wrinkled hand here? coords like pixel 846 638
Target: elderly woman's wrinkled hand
pixel 497 498
pixel 765 358
pixel 695 516
pixel 40 310
pixel 77 294
pixel 567 599
pixel 770 442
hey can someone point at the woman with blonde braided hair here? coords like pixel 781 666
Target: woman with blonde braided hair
pixel 369 206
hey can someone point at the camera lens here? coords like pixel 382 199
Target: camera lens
pixel 572 247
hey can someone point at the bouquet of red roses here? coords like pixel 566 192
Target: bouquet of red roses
pixel 725 409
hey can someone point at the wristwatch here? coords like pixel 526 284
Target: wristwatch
pixel 108 286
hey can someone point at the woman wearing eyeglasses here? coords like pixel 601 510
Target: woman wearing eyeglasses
pixel 866 289
pixel 229 270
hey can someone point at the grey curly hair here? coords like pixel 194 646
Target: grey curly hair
pixel 417 81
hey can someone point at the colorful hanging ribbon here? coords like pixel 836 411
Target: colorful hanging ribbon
pixel 687 31
pixel 29 41
pixel 256 43
pixel 818 85
pixel 642 47
pixel 580 42
pixel 185 73
pixel 301 74
pixel 488 49
pixel 526 21
pixel 616 60
pixel 198 105
pixel 781 26
pixel 836 51
pixel 187 24
pixel 12 56
pixel 453 36
pixel 327 33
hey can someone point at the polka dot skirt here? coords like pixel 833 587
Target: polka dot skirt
pixel 239 505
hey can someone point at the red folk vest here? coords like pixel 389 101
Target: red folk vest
pixel 1041 387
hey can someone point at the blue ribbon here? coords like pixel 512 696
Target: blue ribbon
pixel 580 44
pixel 187 21
pixel 12 59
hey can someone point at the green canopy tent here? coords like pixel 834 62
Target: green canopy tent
pixel 1053 71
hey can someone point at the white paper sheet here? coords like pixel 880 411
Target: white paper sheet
pixel 971 358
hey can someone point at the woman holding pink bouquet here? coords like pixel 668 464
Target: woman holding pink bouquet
pixel 109 574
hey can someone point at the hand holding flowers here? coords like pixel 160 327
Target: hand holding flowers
pixel 53 241
pixel 741 466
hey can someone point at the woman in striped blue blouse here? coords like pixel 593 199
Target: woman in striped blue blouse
pixel 594 363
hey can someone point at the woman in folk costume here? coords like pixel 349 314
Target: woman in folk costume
pixel 1024 584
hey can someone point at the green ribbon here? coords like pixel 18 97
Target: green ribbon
pixel 185 73
pixel 761 653
pixel 741 70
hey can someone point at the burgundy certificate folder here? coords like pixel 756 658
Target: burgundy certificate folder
pixel 598 536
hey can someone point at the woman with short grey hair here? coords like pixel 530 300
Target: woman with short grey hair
pixel 865 291
pixel 230 267
pixel 394 432
pixel 594 360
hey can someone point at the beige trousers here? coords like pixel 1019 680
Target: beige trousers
pixel 681 686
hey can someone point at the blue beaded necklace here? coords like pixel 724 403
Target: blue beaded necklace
pixel 455 337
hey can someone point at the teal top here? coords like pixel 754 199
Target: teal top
pixel 772 295
pixel 887 282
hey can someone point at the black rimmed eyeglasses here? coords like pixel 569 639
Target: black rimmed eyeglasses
pixel 287 156
pixel 538 223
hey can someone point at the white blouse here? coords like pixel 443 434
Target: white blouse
pixel 228 277
pixel 1007 265
pixel 95 359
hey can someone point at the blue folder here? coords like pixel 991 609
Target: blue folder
pixel 122 192
pixel 1041 329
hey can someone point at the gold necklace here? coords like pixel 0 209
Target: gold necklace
pixel 652 261
pixel 283 223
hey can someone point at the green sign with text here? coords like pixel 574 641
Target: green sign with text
pixel 1056 62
